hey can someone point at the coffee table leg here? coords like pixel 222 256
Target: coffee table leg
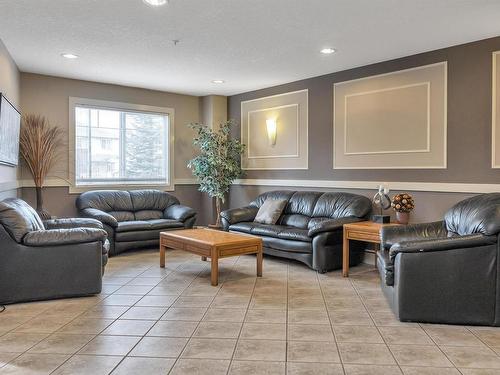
pixel 214 275
pixel 345 257
pixel 162 256
pixel 259 262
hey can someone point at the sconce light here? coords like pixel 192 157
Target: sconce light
pixel 271 131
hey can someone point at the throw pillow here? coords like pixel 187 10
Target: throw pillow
pixel 270 211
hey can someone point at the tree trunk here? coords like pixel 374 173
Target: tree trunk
pixel 217 211
pixel 39 204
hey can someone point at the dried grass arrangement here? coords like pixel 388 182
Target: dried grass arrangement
pixel 40 146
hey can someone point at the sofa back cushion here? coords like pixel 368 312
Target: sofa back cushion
pixel 299 209
pixel 105 200
pixel 19 218
pixel 151 200
pixel 128 205
pixel 337 205
pixel 275 194
pixel 479 214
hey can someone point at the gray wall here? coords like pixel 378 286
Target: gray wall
pixel 469 128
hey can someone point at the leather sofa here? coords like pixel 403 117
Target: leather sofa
pixel 48 259
pixel 446 271
pixel 134 219
pixel 310 228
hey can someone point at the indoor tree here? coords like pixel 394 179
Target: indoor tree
pixel 218 164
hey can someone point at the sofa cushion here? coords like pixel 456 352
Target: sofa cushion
pixel 275 194
pixel 302 202
pixel 295 234
pixel 105 200
pixel 336 205
pixel 295 220
pixel 122 215
pixel 19 218
pixel 127 226
pixel 287 245
pixel 270 211
pixel 275 231
pixel 479 214
pixel 165 224
pixel 148 214
pixel 140 235
pixel 148 199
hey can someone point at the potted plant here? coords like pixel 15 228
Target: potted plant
pixel 218 164
pixel 403 204
pixel 40 147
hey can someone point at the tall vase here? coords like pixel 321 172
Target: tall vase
pixel 44 215
pixel 402 217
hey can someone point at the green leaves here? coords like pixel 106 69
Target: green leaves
pixel 218 164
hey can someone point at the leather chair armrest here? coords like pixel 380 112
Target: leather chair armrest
pixel 237 215
pixel 440 244
pixel 55 237
pixel 72 223
pixel 391 235
pixel 178 212
pixel 102 216
pixel 331 225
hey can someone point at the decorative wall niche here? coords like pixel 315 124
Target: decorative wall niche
pixel 391 121
pixel 287 115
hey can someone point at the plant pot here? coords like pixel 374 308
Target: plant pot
pixel 402 217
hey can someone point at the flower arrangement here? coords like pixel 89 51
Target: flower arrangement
pixel 403 203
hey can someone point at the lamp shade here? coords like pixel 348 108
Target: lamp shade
pixel 271 131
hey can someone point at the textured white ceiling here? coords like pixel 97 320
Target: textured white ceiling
pixel 250 44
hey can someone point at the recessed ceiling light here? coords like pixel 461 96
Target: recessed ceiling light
pixel 327 51
pixel 155 3
pixel 218 81
pixel 69 55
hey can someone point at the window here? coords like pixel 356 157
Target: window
pixel 118 146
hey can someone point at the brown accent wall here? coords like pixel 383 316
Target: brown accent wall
pixel 469 129
pixel 49 96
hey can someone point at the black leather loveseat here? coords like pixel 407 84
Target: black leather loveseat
pixel 309 229
pixel 447 271
pixel 49 259
pixel 134 219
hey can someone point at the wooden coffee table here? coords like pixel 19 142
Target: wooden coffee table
pixel 213 244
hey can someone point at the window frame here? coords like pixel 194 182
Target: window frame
pixel 118 106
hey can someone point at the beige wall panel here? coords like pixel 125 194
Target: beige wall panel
pixel 495 110
pixel 287 129
pixel 290 110
pixel 394 120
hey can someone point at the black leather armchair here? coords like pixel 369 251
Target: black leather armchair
pixel 446 271
pixel 49 259
pixel 310 228
pixel 134 219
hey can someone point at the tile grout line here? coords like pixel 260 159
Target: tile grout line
pixel 331 325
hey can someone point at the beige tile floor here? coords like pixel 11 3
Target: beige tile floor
pixel 150 320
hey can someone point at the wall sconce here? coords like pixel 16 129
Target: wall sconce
pixel 271 131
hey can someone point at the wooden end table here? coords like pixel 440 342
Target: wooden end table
pixel 213 244
pixel 366 231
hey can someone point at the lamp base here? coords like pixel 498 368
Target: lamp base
pixel 381 219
